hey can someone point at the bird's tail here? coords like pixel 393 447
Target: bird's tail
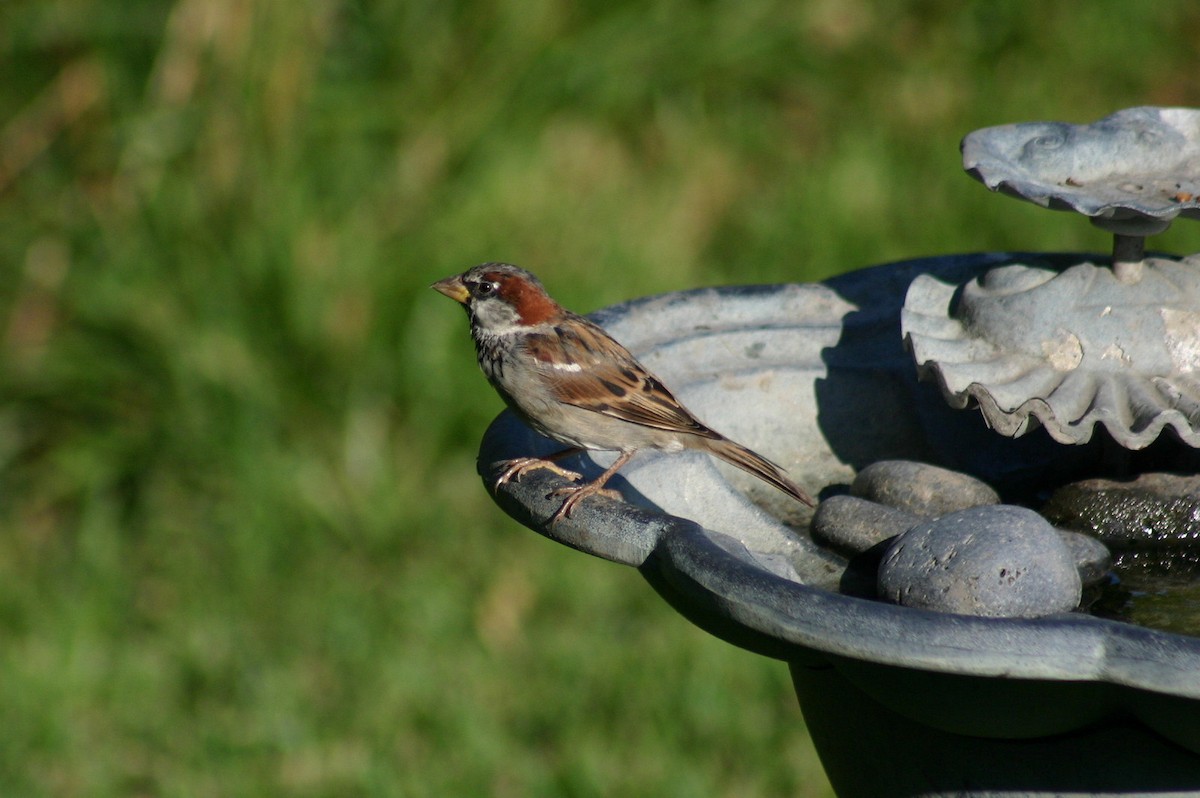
pixel 754 463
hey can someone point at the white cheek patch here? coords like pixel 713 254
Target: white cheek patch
pixel 495 318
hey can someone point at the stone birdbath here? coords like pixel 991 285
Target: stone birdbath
pixel 934 622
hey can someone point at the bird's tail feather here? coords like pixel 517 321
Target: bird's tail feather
pixel 754 463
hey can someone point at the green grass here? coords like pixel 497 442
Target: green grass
pixel 243 549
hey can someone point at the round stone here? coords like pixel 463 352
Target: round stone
pixel 1092 558
pixel 921 488
pixel 997 561
pixel 1149 511
pixel 853 525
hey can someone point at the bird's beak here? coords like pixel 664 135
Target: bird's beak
pixel 453 287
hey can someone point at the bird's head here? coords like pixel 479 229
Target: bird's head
pixel 500 297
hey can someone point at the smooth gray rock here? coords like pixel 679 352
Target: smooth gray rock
pixel 1092 558
pixel 998 561
pixel 921 488
pixel 853 525
pixel 1151 510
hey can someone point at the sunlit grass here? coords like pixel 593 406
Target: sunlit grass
pixel 243 548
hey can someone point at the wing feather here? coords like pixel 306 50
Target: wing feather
pixel 605 378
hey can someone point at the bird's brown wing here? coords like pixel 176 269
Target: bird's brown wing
pixel 605 378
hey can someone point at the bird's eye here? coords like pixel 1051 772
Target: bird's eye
pixel 485 289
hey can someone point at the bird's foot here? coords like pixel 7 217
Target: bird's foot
pixel 516 468
pixel 577 494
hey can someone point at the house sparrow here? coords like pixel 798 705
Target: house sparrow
pixel 572 382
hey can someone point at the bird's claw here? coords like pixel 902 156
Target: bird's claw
pixel 516 468
pixel 577 494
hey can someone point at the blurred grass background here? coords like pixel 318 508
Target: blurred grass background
pixel 244 549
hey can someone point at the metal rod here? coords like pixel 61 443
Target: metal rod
pixel 1128 254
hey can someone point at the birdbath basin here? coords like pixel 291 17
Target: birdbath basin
pixel 899 701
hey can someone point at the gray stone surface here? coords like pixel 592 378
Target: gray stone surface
pixel 998 561
pixel 853 525
pixel 1152 510
pixel 921 488
pixel 1092 558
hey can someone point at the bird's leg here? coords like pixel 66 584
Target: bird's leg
pixel 576 494
pixel 513 469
